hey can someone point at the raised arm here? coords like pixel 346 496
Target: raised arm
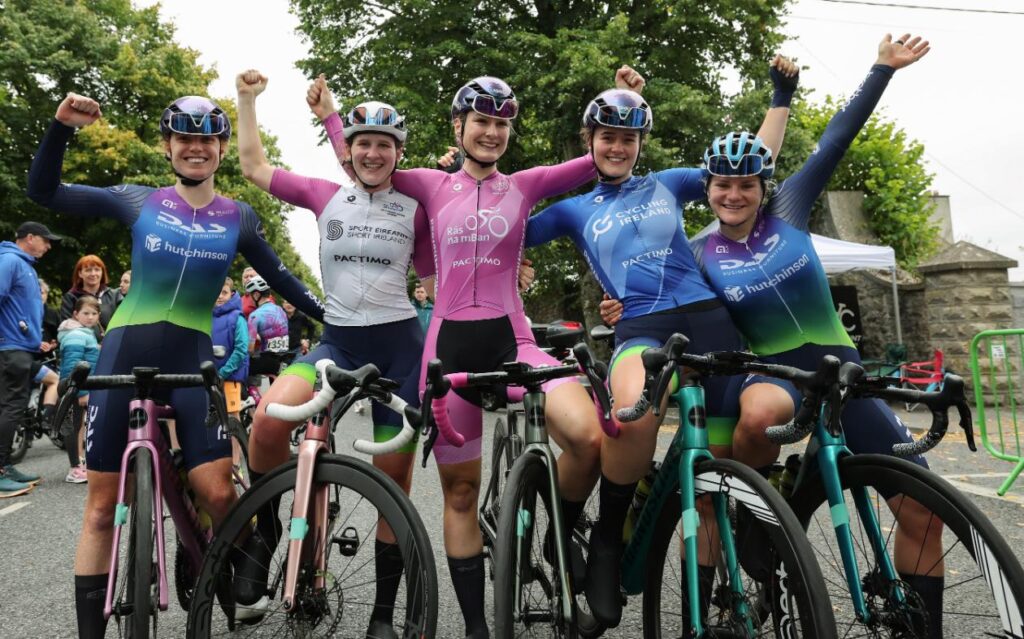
pixel 321 103
pixel 796 195
pixel 785 76
pixel 251 156
pixel 45 187
pixel 254 247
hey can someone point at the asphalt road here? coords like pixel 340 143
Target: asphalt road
pixel 38 533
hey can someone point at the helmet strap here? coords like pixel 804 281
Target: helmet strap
pixel 469 156
pixel 186 181
pixel 604 177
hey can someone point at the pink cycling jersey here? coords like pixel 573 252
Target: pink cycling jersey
pixel 477 228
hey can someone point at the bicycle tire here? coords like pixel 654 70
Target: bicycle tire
pixel 526 512
pixel 791 602
pixel 19 445
pixel 236 430
pixel 490 505
pixel 137 594
pixel 355 486
pixel 966 531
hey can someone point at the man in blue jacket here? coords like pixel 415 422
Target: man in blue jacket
pixel 21 319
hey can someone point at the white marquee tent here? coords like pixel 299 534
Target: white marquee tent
pixel 838 256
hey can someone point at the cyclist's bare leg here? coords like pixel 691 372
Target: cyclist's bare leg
pixel 268 441
pixel 917 543
pixel 627 458
pixel 761 406
pixel 460 484
pixel 214 489
pixel 397 466
pixel 572 421
pixel 93 554
pixel 50 382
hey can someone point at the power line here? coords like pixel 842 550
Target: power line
pixel 893 5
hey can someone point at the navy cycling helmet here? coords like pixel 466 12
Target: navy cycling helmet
pixel 195 115
pixel 738 154
pixel 487 96
pixel 619 109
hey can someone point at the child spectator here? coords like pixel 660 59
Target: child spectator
pixel 231 333
pixel 77 344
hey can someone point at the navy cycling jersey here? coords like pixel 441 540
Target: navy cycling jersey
pixel 180 254
pixel 633 238
pixel 773 282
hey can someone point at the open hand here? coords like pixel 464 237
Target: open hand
pixel 902 52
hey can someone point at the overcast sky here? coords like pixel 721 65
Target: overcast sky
pixel 963 101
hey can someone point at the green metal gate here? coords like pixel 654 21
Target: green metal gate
pixel 997 362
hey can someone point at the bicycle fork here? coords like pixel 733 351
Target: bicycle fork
pixel 308 496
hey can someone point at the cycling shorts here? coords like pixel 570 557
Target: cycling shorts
pixel 394 348
pixel 869 425
pixel 39 372
pixel 173 349
pixel 709 328
pixel 479 346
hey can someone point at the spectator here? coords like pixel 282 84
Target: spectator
pixel 21 319
pixel 50 320
pixel 268 330
pixel 301 329
pixel 90 276
pixel 424 307
pixel 78 343
pixel 122 288
pixel 231 333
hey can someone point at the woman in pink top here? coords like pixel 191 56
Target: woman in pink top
pixel 477 223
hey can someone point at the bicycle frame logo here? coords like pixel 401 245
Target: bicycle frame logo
pixel 489 220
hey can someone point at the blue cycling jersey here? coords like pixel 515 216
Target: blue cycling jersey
pixel 772 281
pixel 180 254
pixel 633 238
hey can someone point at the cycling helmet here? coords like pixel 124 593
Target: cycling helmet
pixel 195 115
pixel 256 283
pixel 375 117
pixel 487 96
pixel 738 154
pixel 620 109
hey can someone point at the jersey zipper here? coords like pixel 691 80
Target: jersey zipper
pixel 476 238
pixel 362 249
pixel 768 280
pixel 184 264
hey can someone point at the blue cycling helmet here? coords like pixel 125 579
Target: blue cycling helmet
pixel 487 96
pixel 195 115
pixel 619 109
pixel 739 154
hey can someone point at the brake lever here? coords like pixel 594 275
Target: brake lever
pixel 967 423
pixel 585 360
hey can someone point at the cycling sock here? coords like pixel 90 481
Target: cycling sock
pixel 571 511
pixel 615 500
pixel 47 413
pixel 90 595
pixel 468 579
pixel 929 589
pixel 267 523
pixel 389 565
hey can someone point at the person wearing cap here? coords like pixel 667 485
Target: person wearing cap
pixel 21 320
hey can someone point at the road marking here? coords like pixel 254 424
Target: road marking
pixel 982 491
pixel 979 475
pixel 13 508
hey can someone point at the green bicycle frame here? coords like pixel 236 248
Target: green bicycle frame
pixel 689 447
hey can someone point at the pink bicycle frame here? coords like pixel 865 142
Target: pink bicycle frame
pixel 183 513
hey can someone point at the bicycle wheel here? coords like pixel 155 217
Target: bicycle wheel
pixel 779 584
pixel 490 505
pixel 527 589
pixel 19 445
pixel 133 604
pixel 983 591
pixel 359 497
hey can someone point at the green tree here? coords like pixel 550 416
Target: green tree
pixel 557 56
pixel 128 60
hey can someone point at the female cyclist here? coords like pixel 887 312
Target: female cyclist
pixel 630 229
pixel 369 235
pixel 184 238
pixel 477 217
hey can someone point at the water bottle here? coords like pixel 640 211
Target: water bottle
pixel 789 475
pixel 643 489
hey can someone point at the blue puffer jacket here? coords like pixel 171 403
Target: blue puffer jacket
pixel 231 331
pixel 77 344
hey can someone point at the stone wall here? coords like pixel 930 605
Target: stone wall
pixel 1017 296
pixel 874 296
pixel 967 291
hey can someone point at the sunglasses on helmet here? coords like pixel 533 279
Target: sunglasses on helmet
pixel 206 124
pixel 489 106
pixel 380 117
pixel 622 116
pixel 722 165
